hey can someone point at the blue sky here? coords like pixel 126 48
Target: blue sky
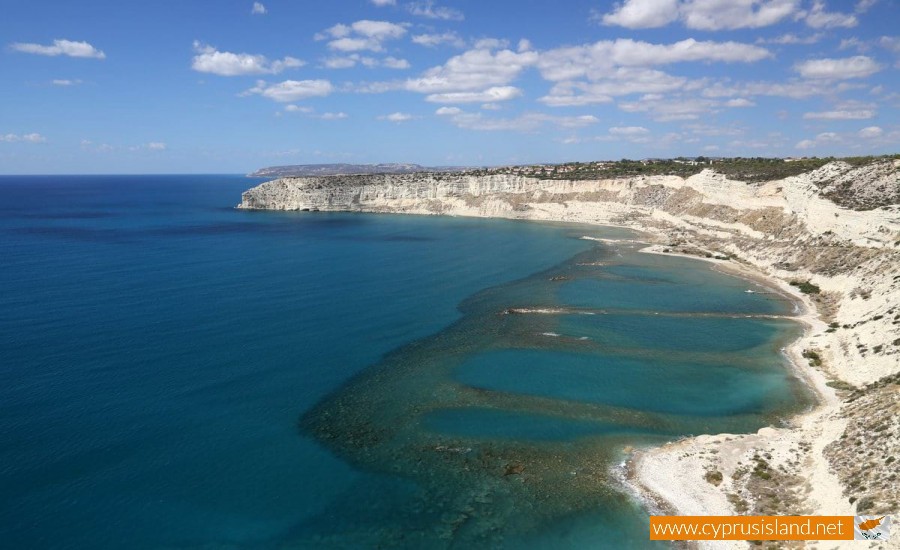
pixel 230 86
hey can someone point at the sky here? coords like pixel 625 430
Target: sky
pixel 103 86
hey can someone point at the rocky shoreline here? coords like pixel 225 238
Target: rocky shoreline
pixel 842 263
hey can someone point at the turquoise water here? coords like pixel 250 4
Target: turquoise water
pixel 177 373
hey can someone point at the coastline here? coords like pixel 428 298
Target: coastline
pixel 772 234
pixel 672 476
pixel 671 479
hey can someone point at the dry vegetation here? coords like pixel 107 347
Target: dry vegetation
pixel 751 170
pixel 865 457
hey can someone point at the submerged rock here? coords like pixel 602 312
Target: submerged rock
pixel 514 468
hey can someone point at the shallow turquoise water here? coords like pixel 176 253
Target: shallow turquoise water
pixel 161 350
pixel 657 385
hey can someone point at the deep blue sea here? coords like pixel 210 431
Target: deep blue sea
pixel 176 373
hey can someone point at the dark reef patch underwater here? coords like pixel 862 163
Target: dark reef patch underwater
pixel 453 389
pixel 508 421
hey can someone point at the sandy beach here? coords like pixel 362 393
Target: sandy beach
pixel 675 475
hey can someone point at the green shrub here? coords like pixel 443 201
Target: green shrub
pixel 814 358
pixel 806 287
pixel 839 385
pixel 714 477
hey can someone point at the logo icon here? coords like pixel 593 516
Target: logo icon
pixel 872 527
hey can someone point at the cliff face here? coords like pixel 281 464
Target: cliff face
pixel 379 192
pixel 811 201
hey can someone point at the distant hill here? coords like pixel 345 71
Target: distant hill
pixel 298 170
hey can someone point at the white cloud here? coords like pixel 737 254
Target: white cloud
pixel 497 93
pixel 870 132
pixel 739 102
pixel 632 134
pixel 152 146
pixel 258 9
pixel 396 117
pixel 60 47
pixel 628 131
pixel 210 60
pixel 572 121
pixel 444 111
pixel 823 138
pixel 859 66
pixel 361 35
pixel 643 14
pixel 355 44
pixel 473 70
pixel 88 145
pixel 818 18
pixel 863 5
pixel 291 90
pixel 374 87
pixel 791 38
pixel 383 3
pixel 861 114
pixel 351 60
pixel 427 9
pixel 528 122
pixel 65 82
pixel 564 96
pixel 794 89
pixel 714 15
pixel 619 82
pixel 614 66
pixel 432 40
pixel 341 62
pixel 26 138
pixel 892 44
pixel 854 43
pixel 594 61
pixel 311 113
pixel 491 44
pixel 630 52
pixel 395 63
pixel 665 109
pixel 380 30
pixel 710 130
pixel 337 31
pixel 707 15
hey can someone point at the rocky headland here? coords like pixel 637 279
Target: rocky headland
pixel 830 236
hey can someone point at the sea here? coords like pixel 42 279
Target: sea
pixel 176 373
